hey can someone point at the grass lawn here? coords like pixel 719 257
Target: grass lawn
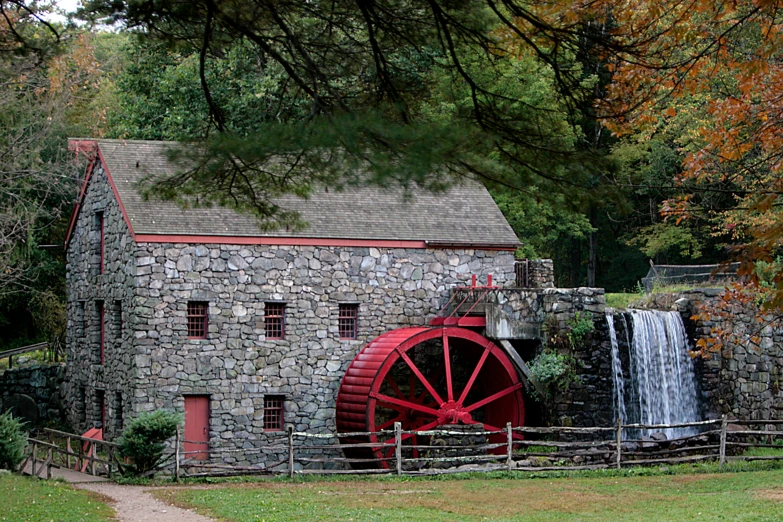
pixel 34 500
pixel 756 495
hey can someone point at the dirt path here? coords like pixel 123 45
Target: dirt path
pixel 134 504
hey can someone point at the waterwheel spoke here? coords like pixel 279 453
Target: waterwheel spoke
pixel 420 376
pixel 475 373
pixel 393 401
pixel 447 363
pixel 414 443
pixel 435 377
pixel 490 427
pixel 406 436
pixel 494 397
pixel 388 423
pixel 394 387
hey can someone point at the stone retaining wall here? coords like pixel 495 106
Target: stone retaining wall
pixel 35 391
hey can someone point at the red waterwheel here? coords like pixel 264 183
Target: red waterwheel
pixel 425 378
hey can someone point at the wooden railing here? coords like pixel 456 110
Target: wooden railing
pixel 32 458
pixel 83 454
pixel 530 449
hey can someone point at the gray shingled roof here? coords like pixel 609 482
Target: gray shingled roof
pixel 466 214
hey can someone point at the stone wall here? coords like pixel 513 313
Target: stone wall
pixel 236 366
pixel 541 273
pixel 588 401
pixel 86 377
pixel 40 388
pixel 744 380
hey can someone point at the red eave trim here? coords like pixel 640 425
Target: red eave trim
pixel 305 241
pixel 283 241
pixel 92 146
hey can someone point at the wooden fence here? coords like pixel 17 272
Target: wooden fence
pixel 512 449
pixel 67 450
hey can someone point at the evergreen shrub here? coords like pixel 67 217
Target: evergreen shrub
pixel 13 440
pixel 144 440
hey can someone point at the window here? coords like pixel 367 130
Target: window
pixel 274 320
pixel 100 316
pixel 100 407
pixel 116 319
pixel 79 319
pixel 99 226
pixel 347 320
pixel 273 412
pixel 197 320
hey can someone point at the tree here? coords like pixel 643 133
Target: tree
pixel 356 80
pixel 45 81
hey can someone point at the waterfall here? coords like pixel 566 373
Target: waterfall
pixel 617 371
pixel 659 386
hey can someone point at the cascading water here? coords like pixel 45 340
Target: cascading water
pixel 660 384
pixel 617 372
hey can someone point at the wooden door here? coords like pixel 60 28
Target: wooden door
pixel 197 427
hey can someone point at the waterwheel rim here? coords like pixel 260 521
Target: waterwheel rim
pixel 474 383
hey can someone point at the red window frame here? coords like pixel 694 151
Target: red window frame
pixel 197 319
pixel 348 320
pixel 99 218
pixel 274 412
pixel 274 320
pixel 102 319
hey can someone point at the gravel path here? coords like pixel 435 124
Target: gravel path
pixel 134 504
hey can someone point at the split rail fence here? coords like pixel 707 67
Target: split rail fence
pixel 528 449
pixel 67 450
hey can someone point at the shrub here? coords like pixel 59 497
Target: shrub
pixel 13 440
pixel 553 372
pixel 144 440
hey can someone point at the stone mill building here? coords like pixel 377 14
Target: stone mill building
pixel 197 310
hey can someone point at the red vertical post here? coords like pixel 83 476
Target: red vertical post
pixel 489 280
pixel 473 280
pixel 103 240
pixel 102 319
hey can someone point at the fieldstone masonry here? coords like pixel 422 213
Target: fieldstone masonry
pixel 150 363
pixel 743 380
pixel 34 392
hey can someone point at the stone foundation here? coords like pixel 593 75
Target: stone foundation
pixel 34 393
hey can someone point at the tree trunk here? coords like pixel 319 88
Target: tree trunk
pixel 592 259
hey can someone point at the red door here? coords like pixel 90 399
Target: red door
pixel 197 427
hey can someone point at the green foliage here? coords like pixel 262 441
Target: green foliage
pixel 553 372
pixel 660 238
pixel 622 300
pixel 143 441
pixel 579 328
pixel 13 440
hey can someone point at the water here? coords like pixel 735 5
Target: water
pixel 617 372
pixel 659 384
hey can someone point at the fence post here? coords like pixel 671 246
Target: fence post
pixel 91 455
pixel 109 457
pixel 723 428
pixel 619 442
pixel 176 455
pixel 509 447
pixel 398 446
pixel 32 464
pixel 290 430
